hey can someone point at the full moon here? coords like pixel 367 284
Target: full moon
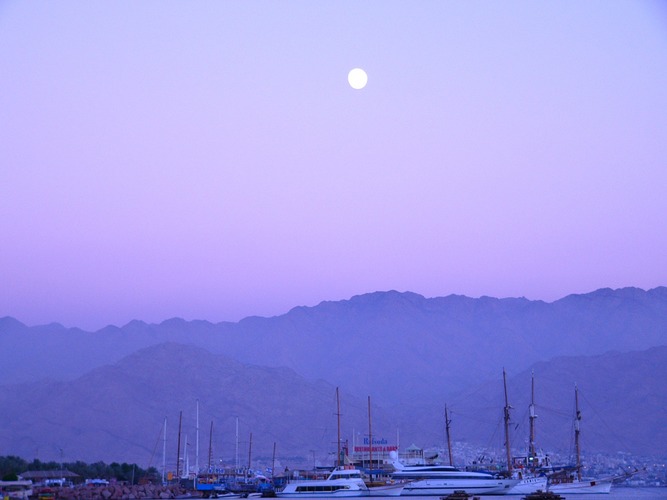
pixel 357 78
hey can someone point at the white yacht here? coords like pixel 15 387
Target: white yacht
pixel 340 483
pixel 438 480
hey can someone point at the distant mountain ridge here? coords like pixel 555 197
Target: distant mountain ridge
pixel 116 412
pixel 400 347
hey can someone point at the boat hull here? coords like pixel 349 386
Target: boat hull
pixel 341 483
pixel 438 487
pixel 389 490
pixel 529 485
pixel 330 494
pixel 592 486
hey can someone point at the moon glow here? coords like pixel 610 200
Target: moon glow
pixel 357 78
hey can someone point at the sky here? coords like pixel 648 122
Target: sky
pixel 209 160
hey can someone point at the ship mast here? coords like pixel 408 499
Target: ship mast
pixel 577 419
pixel 507 426
pixel 178 453
pixel 164 450
pixel 186 459
pixel 250 453
pixel 449 439
pixel 237 443
pixel 370 440
pixel 210 448
pixel 197 442
pixel 338 422
pixel 531 409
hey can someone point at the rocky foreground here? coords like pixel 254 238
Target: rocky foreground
pixel 111 492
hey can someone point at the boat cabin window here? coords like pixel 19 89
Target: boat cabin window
pixel 323 488
pixel 352 475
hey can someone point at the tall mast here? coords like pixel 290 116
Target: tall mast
pixel 250 452
pixel 531 409
pixel 338 423
pixel 577 419
pixel 178 453
pixel 164 450
pixel 197 442
pixel 237 443
pixel 210 447
pixel 449 439
pixel 186 458
pixel 507 426
pixel 370 440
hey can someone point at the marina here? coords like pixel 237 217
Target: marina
pixel 376 468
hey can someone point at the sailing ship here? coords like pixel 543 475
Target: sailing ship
pixel 530 480
pixel 569 479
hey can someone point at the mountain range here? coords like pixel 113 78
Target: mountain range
pixel 104 395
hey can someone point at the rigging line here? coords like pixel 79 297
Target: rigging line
pixel 159 435
pixel 520 424
pixel 553 411
pixel 478 414
pixel 495 434
pixel 470 395
pixel 602 420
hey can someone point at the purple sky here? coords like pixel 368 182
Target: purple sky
pixel 209 160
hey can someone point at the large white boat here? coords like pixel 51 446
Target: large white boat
pixel 340 483
pixel 438 480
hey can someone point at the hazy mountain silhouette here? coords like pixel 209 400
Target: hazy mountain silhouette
pixel 116 412
pixel 400 347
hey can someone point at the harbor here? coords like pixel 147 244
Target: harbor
pixel 370 467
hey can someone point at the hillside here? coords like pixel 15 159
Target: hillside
pixel 622 397
pixel 116 412
pixel 400 347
